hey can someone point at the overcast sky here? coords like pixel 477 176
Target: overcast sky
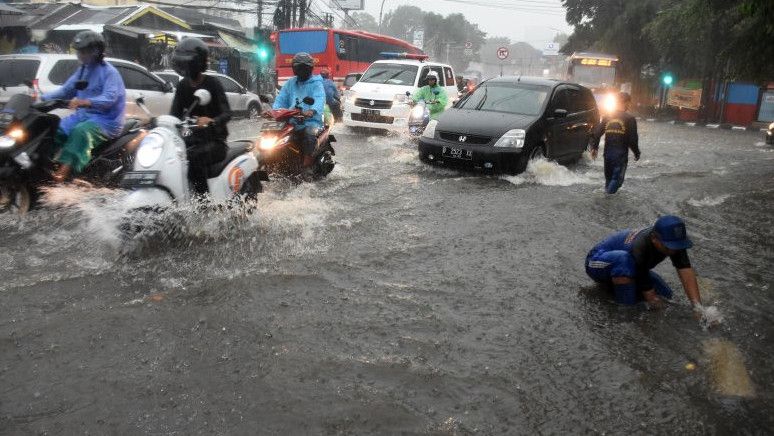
pixel 532 21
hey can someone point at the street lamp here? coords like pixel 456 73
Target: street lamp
pixel 381 9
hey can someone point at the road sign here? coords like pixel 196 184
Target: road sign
pixel 468 44
pixel 419 38
pixel 502 53
pixel 551 49
pixel 347 5
pixel 468 52
pixel 223 66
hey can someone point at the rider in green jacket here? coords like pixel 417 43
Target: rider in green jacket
pixel 434 96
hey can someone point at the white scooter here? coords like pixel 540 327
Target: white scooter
pixel 160 173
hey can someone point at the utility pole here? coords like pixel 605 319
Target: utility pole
pixel 302 12
pixel 260 14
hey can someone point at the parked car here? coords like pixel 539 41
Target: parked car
pixel 241 101
pixel 507 121
pixel 378 100
pixel 49 71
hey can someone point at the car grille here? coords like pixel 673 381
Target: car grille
pixel 469 139
pixel 378 104
pixel 372 118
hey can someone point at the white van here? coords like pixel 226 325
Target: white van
pixel 378 100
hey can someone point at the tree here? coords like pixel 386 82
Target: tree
pixel 403 21
pixel 364 21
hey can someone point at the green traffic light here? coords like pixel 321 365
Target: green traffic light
pixel 263 54
pixel 667 79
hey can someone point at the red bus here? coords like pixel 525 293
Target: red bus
pixel 342 51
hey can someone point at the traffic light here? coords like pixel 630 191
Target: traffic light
pixel 265 46
pixel 667 79
pixel 263 53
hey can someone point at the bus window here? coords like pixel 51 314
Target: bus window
pixel 312 42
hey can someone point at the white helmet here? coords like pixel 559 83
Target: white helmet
pixel 432 75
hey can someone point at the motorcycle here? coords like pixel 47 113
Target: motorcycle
pixel 27 152
pixel 419 116
pixel 160 173
pixel 279 153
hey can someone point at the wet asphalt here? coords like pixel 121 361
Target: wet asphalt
pixel 394 298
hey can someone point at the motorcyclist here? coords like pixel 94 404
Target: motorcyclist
pixel 207 145
pixel 433 95
pixel 304 84
pixel 98 97
pixel 620 130
pixel 332 97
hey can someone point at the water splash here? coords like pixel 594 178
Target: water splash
pixel 709 201
pixel 549 173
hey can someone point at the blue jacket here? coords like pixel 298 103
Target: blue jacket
pixel 331 92
pixel 293 91
pixel 105 91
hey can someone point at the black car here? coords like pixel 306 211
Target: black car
pixel 507 121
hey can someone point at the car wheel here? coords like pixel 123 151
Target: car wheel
pixel 254 111
pixel 535 152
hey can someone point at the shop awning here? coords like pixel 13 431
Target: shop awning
pixel 243 45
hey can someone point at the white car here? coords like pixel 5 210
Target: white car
pixel 50 71
pixel 241 101
pixel 378 100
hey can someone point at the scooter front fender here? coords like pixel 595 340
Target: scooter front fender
pixel 147 198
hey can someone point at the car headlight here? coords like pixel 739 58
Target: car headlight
pixel 430 129
pixel 270 142
pixel 512 139
pixel 11 138
pixel 6 142
pixel 771 126
pixel 610 103
pixel 150 150
pixel 401 98
pixel 351 96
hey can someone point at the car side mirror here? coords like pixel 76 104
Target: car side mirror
pixel 560 113
pixel 308 100
pixel 168 87
pixel 242 91
pixel 408 93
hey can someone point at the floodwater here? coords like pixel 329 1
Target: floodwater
pixel 397 298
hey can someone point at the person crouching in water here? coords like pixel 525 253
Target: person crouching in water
pixel 620 130
pixel 207 144
pixel 98 97
pixel 624 260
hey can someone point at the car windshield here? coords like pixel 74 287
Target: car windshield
pixel 390 74
pixel 512 98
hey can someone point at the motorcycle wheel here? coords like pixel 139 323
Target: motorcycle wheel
pixel 325 163
pixel 15 198
pixel 251 188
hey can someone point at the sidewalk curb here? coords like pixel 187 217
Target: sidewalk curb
pixel 698 124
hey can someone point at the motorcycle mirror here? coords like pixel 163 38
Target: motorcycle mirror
pixel 28 83
pixel 308 100
pixel 81 85
pixel 203 97
pixel 408 93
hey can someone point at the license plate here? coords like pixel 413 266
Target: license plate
pixel 457 153
pixel 370 112
pixel 272 125
pixel 136 179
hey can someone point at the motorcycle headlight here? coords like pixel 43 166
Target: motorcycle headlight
pixel 512 139
pixel 11 138
pixel 610 103
pixel 401 98
pixel 430 129
pixel 270 142
pixel 771 126
pixel 150 150
pixel 417 111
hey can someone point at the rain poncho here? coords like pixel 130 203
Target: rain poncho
pixel 427 94
pixel 294 92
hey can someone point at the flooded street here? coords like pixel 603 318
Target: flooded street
pixel 397 298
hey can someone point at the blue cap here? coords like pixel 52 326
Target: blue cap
pixel 671 231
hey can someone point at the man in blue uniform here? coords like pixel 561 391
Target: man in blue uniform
pixel 620 130
pixel 624 261
pixel 97 95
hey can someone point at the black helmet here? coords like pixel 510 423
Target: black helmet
pixel 303 64
pixel 190 57
pixel 89 39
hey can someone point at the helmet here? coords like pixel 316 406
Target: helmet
pixel 432 75
pixel 190 57
pixel 303 64
pixel 90 39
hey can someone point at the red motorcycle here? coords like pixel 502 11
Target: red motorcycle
pixel 279 152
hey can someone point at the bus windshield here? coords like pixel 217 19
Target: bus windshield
pixel 391 74
pixel 593 76
pixel 311 41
